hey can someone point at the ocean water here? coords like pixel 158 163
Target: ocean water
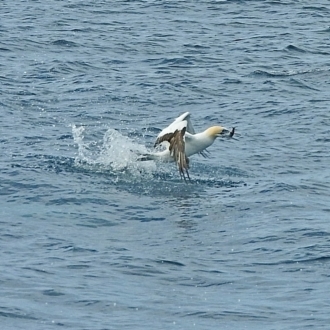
pixel 92 239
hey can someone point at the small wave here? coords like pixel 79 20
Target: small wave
pixel 70 66
pixel 177 62
pixel 16 314
pixel 262 73
pixel 64 43
pixel 299 83
pixel 170 262
pixel 295 49
pixel 325 30
pixel 286 73
pixel 292 48
pixel 2 49
pixel 232 81
pixel 322 9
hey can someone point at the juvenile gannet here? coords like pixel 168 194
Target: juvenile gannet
pixel 182 142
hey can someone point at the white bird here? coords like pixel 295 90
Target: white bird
pixel 182 142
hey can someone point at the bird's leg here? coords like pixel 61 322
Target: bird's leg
pixel 188 175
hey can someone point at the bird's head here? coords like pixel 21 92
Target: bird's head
pixel 216 131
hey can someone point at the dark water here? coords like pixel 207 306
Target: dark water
pixel 91 239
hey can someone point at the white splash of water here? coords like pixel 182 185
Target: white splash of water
pixel 115 152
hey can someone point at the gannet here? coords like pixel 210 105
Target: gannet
pixel 182 142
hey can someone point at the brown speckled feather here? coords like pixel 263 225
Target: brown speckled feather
pixel 177 150
pixel 165 137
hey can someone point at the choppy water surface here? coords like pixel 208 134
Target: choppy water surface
pixel 92 239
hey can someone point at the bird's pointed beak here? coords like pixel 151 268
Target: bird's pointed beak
pixel 227 133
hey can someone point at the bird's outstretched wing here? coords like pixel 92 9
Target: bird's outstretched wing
pixel 177 150
pixel 174 134
pixel 178 124
pixel 186 117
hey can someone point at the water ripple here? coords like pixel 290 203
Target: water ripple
pixel 90 238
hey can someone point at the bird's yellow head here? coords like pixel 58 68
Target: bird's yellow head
pixel 216 131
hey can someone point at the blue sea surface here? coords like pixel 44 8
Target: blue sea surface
pixel 92 239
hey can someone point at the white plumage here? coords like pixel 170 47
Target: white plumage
pixel 182 142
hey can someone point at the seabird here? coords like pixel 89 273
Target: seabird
pixel 182 142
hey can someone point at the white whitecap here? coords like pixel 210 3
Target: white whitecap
pixel 115 152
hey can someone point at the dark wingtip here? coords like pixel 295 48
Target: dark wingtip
pixel 183 131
